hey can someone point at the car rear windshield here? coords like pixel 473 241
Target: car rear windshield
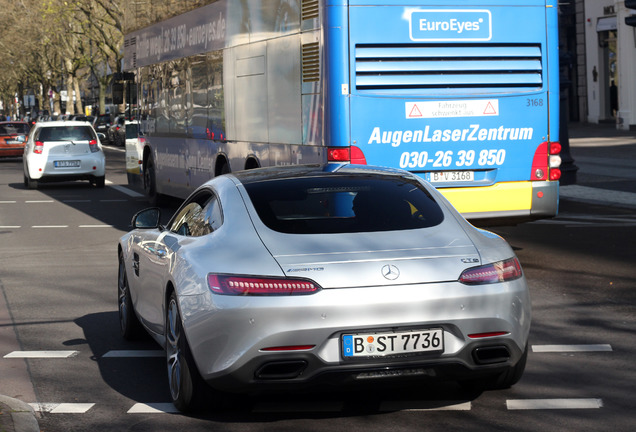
pixel 342 203
pixel 14 128
pixel 132 130
pixel 66 133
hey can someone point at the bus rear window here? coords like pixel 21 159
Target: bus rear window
pixel 342 204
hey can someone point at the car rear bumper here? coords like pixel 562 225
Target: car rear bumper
pixel 229 342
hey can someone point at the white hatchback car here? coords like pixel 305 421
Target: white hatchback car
pixel 63 151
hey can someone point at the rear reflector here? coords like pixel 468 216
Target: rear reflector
pixel 501 271
pixel 259 286
pixel 289 348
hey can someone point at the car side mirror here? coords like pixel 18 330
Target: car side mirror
pixel 147 219
pixel 101 136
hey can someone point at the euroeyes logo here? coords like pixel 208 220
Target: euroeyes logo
pixel 450 25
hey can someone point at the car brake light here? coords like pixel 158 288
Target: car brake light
pixel 259 286
pixel 92 144
pixel 39 147
pixel 502 271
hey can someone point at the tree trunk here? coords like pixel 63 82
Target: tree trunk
pixel 78 97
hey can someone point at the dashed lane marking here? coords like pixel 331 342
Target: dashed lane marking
pixel 153 408
pixel 571 348
pixel 424 406
pixel 62 408
pixel 41 354
pixel 545 404
pixel 134 353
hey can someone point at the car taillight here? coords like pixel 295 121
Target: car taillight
pixel 546 162
pixel 259 286
pixel 92 144
pixel 38 148
pixel 502 271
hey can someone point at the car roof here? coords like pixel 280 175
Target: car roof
pixel 68 123
pixel 295 171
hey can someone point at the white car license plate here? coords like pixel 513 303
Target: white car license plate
pixel 451 176
pixel 388 344
pixel 67 164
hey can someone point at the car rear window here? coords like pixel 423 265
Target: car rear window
pixel 66 133
pixel 132 130
pixel 14 128
pixel 342 203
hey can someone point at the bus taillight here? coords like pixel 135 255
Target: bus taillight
pixel 546 162
pixel 351 154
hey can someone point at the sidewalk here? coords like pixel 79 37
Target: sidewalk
pixel 16 415
pixel 606 162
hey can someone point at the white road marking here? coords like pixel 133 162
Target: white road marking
pixel 424 406
pixel 95 226
pixel 571 348
pixel 49 226
pixel 8 202
pixel 124 190
pixel 134 353
pixel 10 227
pixel 41 354
pixel 543 404
pixel 39 201
pixel 153 408
pixel 62 408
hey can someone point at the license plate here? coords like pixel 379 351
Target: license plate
pixel 67 164
pixel 451 176
pixel 14 142
pixel 392 343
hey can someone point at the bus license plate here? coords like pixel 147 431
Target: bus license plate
pixel 451 176
pixel 67 164
pixel 388 344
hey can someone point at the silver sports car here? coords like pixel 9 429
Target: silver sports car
pixel 306 275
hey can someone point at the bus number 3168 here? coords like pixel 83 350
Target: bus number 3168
pixel 463 158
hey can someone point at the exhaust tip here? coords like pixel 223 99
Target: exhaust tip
pixel 281 370
pixel 491 355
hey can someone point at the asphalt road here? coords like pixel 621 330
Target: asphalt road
pixel 60 348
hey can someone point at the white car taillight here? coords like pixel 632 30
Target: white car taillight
pixel 38 148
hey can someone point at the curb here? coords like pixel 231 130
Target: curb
pixel 22 415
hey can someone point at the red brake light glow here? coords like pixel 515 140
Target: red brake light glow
pixel 38 148
pixel 259 286
pixel 338 154
pixel 502 271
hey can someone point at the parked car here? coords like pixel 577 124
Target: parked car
pixel 292 276
pixel 62 151
pixel 12 138
pixel 115 133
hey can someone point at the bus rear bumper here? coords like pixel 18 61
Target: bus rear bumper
pixel 506 202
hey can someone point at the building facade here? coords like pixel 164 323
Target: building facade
pixel 606 62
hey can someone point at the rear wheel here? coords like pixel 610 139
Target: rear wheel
pixel 187 388
pixel 29 183
pixel 150 184
pixel 129 324
pixel 99 182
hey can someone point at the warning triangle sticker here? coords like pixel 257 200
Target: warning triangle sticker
pixel 415 112
pixel 490 110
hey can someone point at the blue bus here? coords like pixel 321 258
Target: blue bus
pixel 464 93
